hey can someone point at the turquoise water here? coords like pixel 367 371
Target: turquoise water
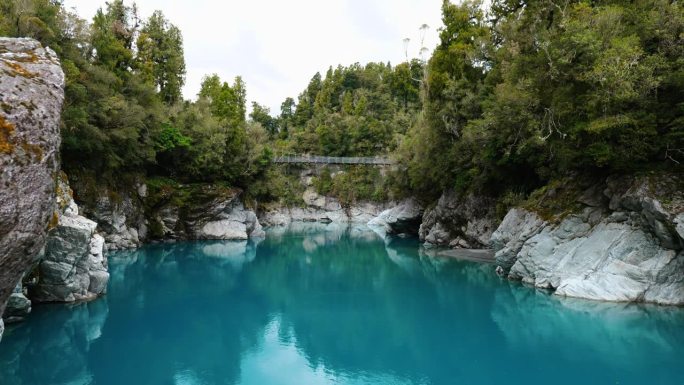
pixel 332 305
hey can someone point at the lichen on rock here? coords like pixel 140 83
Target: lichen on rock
pixel 29 144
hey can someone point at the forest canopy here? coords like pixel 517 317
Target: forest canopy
pixel 514 95
pixel 527 91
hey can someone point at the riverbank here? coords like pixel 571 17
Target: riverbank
pixel 616 239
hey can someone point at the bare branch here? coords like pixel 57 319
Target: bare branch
pixel 671 152
pixel 550 124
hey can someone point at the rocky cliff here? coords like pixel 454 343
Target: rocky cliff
pixel 139 210
pixel 211 212
pixel 459 220
pixel 164 210
pixel 31 95
pixel 455 220
pixel 73 267
pixel 621 240
pixel 120 216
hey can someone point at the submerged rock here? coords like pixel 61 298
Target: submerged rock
pixel 31 95
pixel 628 251
pixel 74 266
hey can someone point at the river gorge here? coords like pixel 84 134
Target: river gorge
pixel 333 304
pixel 509 210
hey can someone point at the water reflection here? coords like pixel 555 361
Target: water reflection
pixel 55 344
pixel 333 304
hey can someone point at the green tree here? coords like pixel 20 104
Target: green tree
pixel 286 116
pixel 160 57
pixel 113 33
pixel 262 115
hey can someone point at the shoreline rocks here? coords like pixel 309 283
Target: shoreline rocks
pixel 18 305
pixel 402 219
pixel 31 94
pixel 360 213
pixel 459 221
pixel 73 267
pixel 233 223
pixel 618 240
pixel 627 251
pixel 121 222
pixel 208 212
pixel 320 208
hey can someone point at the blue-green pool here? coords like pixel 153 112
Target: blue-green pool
pixel 322 304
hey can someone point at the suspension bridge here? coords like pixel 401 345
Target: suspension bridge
pixel 313 159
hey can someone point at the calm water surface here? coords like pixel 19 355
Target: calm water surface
pixel 332 305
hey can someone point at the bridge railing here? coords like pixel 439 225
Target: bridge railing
pixel 309 159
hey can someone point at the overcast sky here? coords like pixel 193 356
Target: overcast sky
pixel 277 46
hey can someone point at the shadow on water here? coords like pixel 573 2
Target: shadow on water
pixel 333 304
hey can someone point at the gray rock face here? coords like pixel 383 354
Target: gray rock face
pixel 629 251
pixel 18 305
pixel 212 216
pixel 459 221
pixel 357 214
pixel 74 267
pixel 122 222
pixel 402 219
pixel 679 225
pixel 31 95
pixel 517 227
pixel 234 222
pixel 210 213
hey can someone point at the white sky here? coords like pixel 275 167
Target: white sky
pixel 277 46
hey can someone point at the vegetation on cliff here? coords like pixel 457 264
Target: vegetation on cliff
pixel 532 90
pixel 514 96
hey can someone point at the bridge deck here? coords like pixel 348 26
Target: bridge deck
pixel 332 160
